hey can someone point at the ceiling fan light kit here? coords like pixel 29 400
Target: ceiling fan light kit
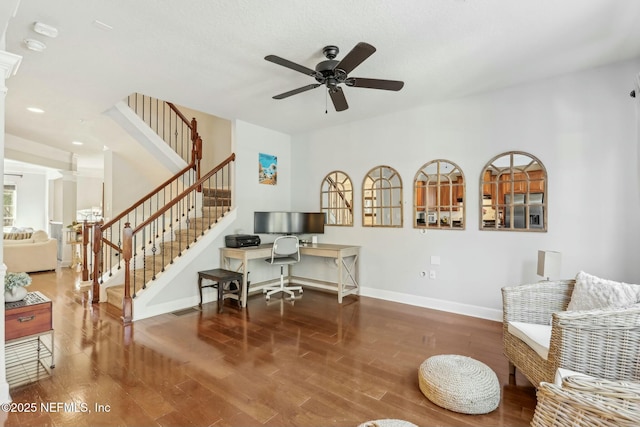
pixel 332 73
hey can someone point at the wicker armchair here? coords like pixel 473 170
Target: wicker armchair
pixel 601 343
pixel 587 402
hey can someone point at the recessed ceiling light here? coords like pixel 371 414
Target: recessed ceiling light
pixel 45 30
pixel 35 110
pixel 77 142
pixel 35 45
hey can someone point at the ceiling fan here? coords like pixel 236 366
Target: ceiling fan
pixel 332 73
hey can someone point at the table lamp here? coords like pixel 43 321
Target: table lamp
pixel 548 264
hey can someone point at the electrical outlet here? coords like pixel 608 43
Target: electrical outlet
pixel 432 274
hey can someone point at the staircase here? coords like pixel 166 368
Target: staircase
pixel 147 243
pixel 216 203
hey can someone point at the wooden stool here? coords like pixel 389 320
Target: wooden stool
pixel 222 280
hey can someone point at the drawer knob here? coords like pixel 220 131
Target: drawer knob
pixel 26 318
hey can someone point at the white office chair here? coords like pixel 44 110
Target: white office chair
pixel 285 251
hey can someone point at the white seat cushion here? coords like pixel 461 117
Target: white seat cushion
pixel 538 337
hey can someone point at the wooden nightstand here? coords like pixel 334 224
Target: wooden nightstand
pixel 26 323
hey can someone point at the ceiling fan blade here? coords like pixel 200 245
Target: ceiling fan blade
pixel 296 91
pixel 292 65
pixel 339 101
pixel 374 83
pixel 354 58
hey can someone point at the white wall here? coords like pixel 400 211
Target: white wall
pixel 128 181
pixel 89 192
pixel 216 137
pixel 581 126
pixel 249 141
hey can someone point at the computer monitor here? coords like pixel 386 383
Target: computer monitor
pixel 288 222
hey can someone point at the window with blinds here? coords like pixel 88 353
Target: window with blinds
pixel 9 204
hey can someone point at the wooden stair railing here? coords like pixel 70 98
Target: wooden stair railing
pixel 146 236
pixel 178 132
pixel 171 125
pixel 109 248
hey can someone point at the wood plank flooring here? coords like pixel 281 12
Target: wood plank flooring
pixel 312 362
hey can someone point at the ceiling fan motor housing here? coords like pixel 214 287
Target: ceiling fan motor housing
pixel 326 71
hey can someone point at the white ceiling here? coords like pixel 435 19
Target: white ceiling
pixel 209 56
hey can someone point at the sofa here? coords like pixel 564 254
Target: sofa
pixel 30 252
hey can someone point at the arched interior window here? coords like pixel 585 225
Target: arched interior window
pixel 336 199
pixel 439 195
pixel 513 193
pixel 382 198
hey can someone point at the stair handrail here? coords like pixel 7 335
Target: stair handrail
pixel 194 187
pixel 104 246
pixel 129 233
pixel 147 116
pixel 147 196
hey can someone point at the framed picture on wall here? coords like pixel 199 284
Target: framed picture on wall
pixel 267 169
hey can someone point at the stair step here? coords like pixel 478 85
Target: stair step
pixel 183 236
pixel 216 201
pixel 216 192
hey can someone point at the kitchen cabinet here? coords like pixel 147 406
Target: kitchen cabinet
pixel 535 183
pixel 489 185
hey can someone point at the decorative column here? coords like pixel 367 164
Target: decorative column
pixel 9 64
pixel 68 198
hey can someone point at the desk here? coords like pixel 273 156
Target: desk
pixel 346 257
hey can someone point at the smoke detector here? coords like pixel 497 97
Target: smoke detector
pixel 45 30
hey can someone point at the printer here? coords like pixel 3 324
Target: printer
pixel 241 240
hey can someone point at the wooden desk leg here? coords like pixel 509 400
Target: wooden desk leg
pixel 245 279
pixel 340 278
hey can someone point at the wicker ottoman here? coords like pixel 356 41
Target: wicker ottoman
pixel 388 423
pixel 460 384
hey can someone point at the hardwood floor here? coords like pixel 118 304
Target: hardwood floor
pixel 310 363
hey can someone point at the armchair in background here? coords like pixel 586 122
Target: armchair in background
pixel 540 335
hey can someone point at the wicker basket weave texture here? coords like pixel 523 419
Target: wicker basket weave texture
pixel 587 402
pixel 533 303
pixel 604 343
pixel 459 383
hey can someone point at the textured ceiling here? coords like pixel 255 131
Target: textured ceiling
pixel 209 56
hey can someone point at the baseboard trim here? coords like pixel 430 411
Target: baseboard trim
pixel 434 303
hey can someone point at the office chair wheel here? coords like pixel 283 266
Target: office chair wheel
pixel 267 298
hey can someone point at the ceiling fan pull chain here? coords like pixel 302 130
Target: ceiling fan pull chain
pixel 326 109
